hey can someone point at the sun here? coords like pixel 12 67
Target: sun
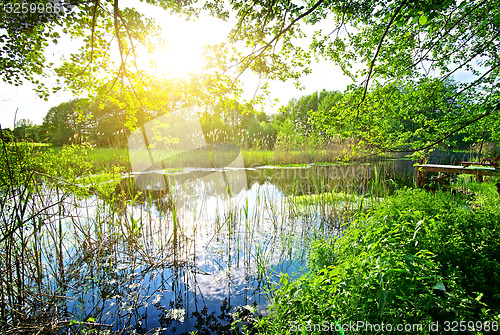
pixel 181 53
pixel 176 58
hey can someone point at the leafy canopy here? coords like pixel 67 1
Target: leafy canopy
pixel 405 49
pixel 406 53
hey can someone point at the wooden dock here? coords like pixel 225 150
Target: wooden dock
pixel 479 172
pixel 457 169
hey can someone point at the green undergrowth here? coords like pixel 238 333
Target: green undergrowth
pixel 327 197
pixel 101 159
pixel 417 258
pixel 71 168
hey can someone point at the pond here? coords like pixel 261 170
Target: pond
pixel 195 256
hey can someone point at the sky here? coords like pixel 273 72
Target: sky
pixel 184 46
pixel 181 54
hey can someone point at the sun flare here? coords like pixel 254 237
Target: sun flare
pixel 181 53
pixel 176 59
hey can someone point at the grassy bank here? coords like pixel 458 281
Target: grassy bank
pixel 289 157
pixel 104 158
pixel 418 258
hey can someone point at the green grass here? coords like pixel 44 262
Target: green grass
pixel 290 158
pixel 101 159
pixel 110 157
pixel 104 158
pixel 417 258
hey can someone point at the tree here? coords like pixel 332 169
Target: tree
pixel 396 115
pixel 6 135
pixel 25 130
pixel 66 123
pixel 26 29
pixel 399 41
pixel 104 27
pixel 300 112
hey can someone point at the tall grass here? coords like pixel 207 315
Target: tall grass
pixel 83 250
pixel 103 158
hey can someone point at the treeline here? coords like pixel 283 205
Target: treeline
pixel 311 122
pixel 106 124
pixel 24 130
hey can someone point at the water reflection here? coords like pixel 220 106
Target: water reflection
pixel 178 266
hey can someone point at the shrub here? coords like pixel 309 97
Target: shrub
pixel 417 258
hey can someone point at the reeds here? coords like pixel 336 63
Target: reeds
pixel 75 257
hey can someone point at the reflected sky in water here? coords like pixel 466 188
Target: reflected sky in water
pixel 209 248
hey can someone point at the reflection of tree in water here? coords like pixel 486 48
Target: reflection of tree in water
pixel 143 281
pixel 349 178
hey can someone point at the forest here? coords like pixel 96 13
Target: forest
pixel 157 201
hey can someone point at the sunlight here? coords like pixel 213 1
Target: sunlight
pixel 177 58
pixel 181 53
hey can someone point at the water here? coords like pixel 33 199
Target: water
pixel 215 250
pixel 194 260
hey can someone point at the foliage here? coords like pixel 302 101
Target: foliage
pixel 72 168
pixel 240 124
pixel 25 130
pixel 405 51
pixel 299 111
pixel 6 135
pixel 37 205
pixel 417 258
pixel 62 124
pixel 403 115
pixel 409 51
pixel 110 36
pixel 295 129
pixel 27 33
pixel 80 121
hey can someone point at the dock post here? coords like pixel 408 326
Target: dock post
pixel 420 182
pixel 479 177
pixel 420 178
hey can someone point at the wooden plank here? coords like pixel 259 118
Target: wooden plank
pixel 457 169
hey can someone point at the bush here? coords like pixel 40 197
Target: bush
pixel 417 258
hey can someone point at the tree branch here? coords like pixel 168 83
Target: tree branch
pixel 474 55
pixel 94 15
pixel 379 47
pixel 260 51
pixel 433 43
pixel 116 11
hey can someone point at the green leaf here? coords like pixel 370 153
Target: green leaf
pixel 382 298
pixel 422 20
pixel 304 332
pixel 439 286
pixel 496 20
